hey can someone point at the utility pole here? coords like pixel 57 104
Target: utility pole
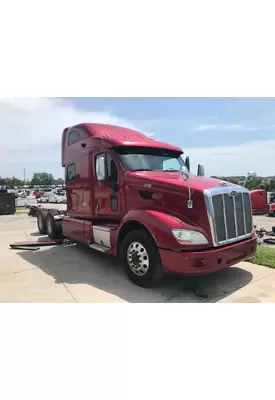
pixel 24 172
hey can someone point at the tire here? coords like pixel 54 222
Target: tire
pixel 152 272
pixel 41 221
pixel 54 227
pixel 269 241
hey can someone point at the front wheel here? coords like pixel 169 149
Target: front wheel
pixel 141 259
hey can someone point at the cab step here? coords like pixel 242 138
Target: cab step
pixel 99 247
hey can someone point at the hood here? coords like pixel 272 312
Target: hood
pixel 197 183
pixel 168 192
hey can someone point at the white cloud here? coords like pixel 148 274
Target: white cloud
pixel 257 156
pixel 231 127
pixel 218 127
pixel 31 132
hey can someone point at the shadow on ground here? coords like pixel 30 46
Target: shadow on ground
pixel 76 264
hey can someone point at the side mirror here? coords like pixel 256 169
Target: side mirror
pixel 200 170
pixel 100 168
pixel 187 162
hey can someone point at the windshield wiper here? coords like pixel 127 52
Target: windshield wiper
pixel 170 170
pixel 141 169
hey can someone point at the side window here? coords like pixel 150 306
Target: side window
pixel 73 137
pixel 171 163
pixel 111 169
pixel 70 173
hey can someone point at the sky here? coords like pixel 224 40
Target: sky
pixel 229 136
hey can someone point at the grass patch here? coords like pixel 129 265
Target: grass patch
pixel 20 211
pixel 265 256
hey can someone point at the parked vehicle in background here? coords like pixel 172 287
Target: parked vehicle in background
pixel 263 202
pixel 134 197
pixel 57 196
pixel 43 199
pixel 37 194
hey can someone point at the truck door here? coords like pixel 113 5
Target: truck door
pixel 109 198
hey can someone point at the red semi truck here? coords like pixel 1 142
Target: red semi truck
pixel 262 202
pixel 134 197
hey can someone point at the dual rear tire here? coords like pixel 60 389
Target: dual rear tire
pixel 48 225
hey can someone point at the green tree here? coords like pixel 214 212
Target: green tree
pixel 255 183
pixel 270 185
pixel 59 181
pixel 233 180
pixel 11 181
pixel 42 178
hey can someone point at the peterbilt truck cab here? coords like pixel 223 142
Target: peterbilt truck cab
pixel 134 197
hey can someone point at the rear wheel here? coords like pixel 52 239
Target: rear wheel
pixel 141 259
pixel 41 221
pixel 54 227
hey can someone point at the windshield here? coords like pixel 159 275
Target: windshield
pixel 150 159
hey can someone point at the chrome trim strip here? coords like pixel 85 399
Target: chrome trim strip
pixel 244 218
pixel 225 190
pixel 211 217
pixel 235 218
pixel 224 218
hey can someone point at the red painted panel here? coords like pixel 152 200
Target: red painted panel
pixel 74 229
pixel 204 262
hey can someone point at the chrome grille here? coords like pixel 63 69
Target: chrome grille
pixel 230 216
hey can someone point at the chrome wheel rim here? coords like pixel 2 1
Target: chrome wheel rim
pixel 137 258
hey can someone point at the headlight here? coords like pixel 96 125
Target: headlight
pixel 186 236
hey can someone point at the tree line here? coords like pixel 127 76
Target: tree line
pixel 38 179
pixel 46 179
pixel 251 184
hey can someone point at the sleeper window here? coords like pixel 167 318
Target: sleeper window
pixel 73 137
